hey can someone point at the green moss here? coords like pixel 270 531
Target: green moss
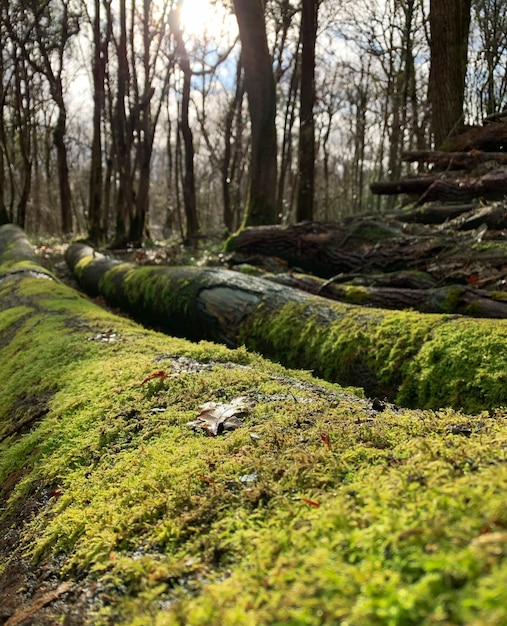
pixel 452 299
pixel 250 270
pixel 355 294
pixel 318 510
pixel 499 295
pixel 416 360
pixel 378 350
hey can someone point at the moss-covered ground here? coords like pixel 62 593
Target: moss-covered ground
pixel 321 508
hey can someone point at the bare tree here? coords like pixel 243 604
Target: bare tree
pixel 142 85
pixel 489 74
pixel 306 191
pixel 189 195
pixel 449 25
pixel 42 30
pixel 260 89
pixel 96 215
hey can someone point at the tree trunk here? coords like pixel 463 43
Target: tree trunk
pixel 96 214
pixel 122 139
pixel 59 137
pixel 260 89
pixel 348 344
pixel 189 192
pixel 306 190
pixel 228 168
pixel 449 26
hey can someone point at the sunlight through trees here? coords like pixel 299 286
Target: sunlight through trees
pixel 165 118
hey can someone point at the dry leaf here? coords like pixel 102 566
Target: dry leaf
pixel 215 418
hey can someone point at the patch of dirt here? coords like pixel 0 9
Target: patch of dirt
pixel 27 410
pixel 33 593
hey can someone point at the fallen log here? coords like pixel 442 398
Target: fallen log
pixel 491 137
pixel 449 256
pixel 437 212
pixel 400 355
pixel 493 216
pixel 409 185
pixel 454 160
pixel 323 249
pixel 460 299
pixel 492 186
pixel 114 510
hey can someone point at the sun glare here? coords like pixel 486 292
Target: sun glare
pixel 205 18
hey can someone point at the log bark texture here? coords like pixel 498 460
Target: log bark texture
pixel 492 185
pixel 409 185
pixel 454 160
pixel 369 247
pixel 385 352
pixel 445 299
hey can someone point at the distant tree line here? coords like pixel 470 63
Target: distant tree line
pixel 117 124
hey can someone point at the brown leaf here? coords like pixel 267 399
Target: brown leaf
pixel 215 418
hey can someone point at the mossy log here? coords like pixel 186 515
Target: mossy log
pixel 319 508
pixel 447 299
pixel 412 358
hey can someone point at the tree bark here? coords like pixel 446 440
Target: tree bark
pixel 449 26
pixel 490 186
pixel 96 217
pixel 122 136
pixel 329 248
pixel 460 299
pixel 189 192
pixel 459 188
pixel 370 247
pixel 306 190
pixel 260 89
pixel 454 160
pixel 409 185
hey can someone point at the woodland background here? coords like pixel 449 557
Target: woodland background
pixel 120 122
